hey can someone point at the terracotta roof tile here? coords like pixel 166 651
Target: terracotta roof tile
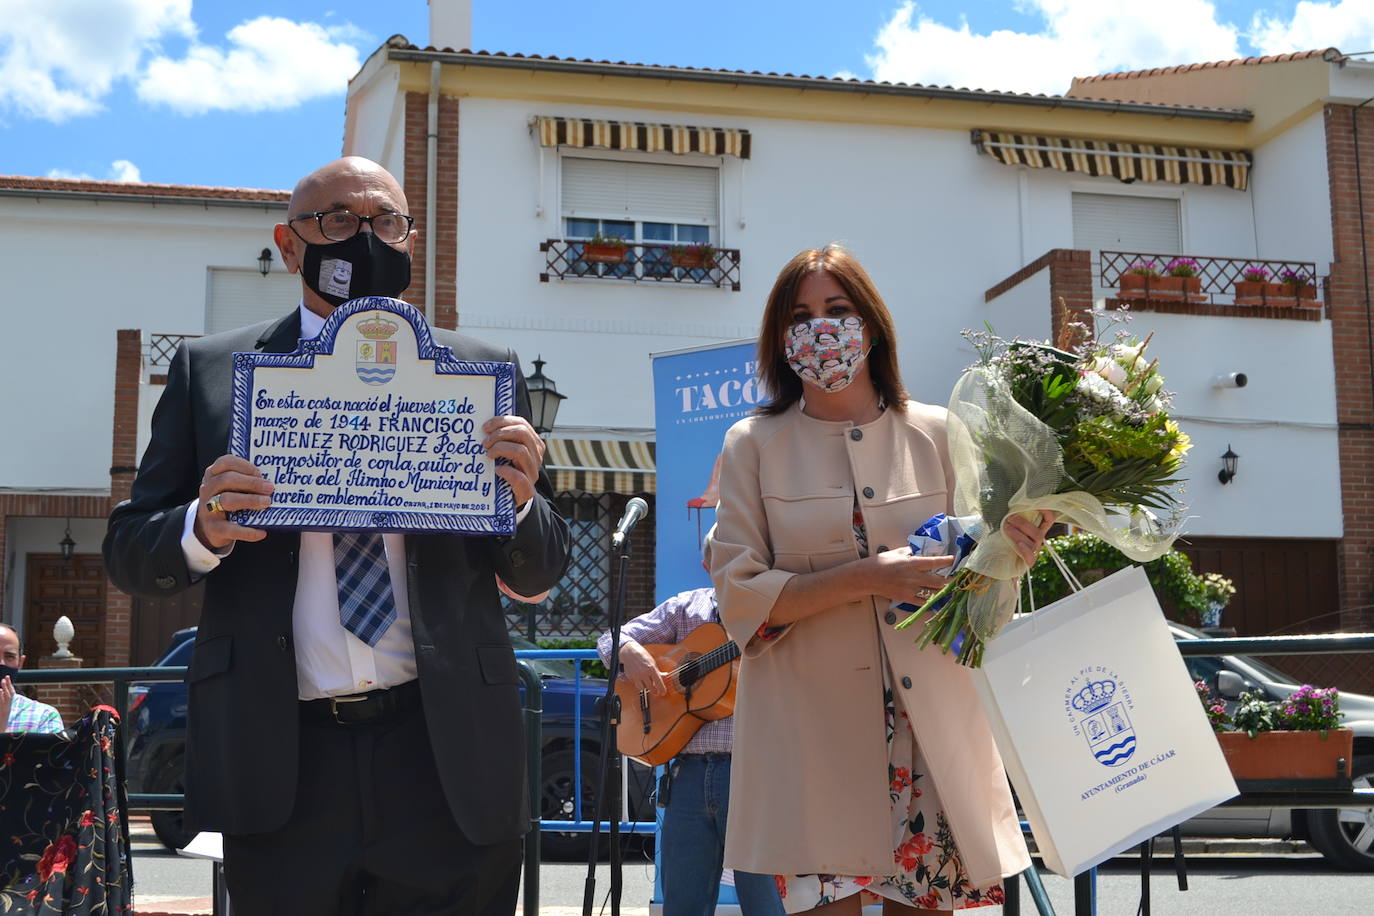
pixel 1331 54
pixel 399 42
pixel 29 183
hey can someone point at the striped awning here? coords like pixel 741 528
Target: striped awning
pixel 601 465
pixel 583 133
pixel 1126 161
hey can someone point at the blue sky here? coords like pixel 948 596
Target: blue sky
pixel 251 93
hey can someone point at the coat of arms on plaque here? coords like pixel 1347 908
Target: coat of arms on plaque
pixel 376 361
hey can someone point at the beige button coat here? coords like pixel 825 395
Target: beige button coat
pixel 809 787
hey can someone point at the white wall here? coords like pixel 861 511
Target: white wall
pixel 84 270
pixel 1292 196
pixel 936 224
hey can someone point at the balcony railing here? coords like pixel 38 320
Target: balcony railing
pixel 1218 279
pixel 639 263
pixel 161 348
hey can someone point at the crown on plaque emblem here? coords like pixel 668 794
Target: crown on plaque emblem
pixel 377 328
pixel 1094 696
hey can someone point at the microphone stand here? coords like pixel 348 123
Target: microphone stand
pixel 608 767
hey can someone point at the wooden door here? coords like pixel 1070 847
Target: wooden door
pixel 1285 588
pixel 156 619
pixel 72 588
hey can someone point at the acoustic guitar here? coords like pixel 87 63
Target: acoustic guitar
pixel 701 673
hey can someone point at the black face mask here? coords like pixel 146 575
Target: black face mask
pixel 360 266
pixel 7 672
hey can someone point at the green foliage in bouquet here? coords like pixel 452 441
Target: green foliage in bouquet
pixel 1084 433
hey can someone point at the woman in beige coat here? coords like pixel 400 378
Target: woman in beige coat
pixel 861 763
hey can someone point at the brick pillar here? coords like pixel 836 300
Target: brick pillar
pixel 445 230
pixel 70 699
pixel 1071 291
pixel 1348 302
pixel 123 465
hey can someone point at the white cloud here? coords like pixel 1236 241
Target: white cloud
pixel 273 64
pixel 1080 37
pixel 59 58
pixel 1348 25
pixel 120 170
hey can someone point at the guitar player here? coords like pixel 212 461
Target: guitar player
pixel 695 795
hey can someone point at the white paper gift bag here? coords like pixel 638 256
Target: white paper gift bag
pixel 1098 723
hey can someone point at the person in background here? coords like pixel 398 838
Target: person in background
pixel 698 780
pixel 20 713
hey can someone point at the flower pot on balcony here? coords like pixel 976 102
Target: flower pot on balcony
pixel 1288 755
pixel 1250 292
pixel 1279 296
pixel 1306 296
pixel 1171 288
pixel 603 254
pixel 693 259
pixel 1135 286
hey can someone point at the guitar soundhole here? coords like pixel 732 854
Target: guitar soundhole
pixel 687 671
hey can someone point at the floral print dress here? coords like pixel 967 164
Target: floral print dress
pixel 927 872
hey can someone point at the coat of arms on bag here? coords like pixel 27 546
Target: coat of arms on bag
pixel 1098 705
pixel 377 354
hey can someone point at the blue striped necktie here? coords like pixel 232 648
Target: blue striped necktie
pixel 366 604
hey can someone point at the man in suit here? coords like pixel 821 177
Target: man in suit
pixel 373 769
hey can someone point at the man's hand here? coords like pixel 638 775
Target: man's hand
pixel 638 667
pixel 6 702
pixel 230 484
pixel 518 452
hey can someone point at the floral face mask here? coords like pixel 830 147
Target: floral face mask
pixel 827 352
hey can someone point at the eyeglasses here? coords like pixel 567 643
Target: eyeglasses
pixel 342 225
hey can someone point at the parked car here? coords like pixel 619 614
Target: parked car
pixel 157 741
pixel 1344 836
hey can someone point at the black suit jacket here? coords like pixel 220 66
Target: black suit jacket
pixel 243 720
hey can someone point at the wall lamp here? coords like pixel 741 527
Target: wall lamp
pixel 67 545
pixel 1228 465
pixel 265 262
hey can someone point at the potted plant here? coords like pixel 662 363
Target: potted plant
pixel 695 255
pixel 1138 279
pixel 1299 286
pixel 603 250
pixel 1215 708
pixel 1296 738
pixel 1251 285
pixel 1218 591
pixel 1180 281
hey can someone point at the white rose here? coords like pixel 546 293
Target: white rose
pixel 1110 370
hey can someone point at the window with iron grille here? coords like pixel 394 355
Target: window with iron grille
pixel 653 206
pixel 577 605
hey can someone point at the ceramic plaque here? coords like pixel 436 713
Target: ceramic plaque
pixel 373 425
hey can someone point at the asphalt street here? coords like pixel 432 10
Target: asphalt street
pixel 1257 883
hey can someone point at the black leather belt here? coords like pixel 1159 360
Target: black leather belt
pixel 364 708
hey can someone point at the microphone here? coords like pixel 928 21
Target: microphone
pixel 635 510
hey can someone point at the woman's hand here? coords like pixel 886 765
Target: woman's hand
pixel 899 576
pixel 639 669
pixel 1026 536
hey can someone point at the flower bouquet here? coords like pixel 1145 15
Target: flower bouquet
pixel 1084 434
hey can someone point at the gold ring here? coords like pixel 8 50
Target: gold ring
pixel 214 505
pixel 923 593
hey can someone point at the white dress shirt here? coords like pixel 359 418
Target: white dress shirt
pixel 331 661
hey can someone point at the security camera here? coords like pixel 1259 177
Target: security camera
pixel 1230 380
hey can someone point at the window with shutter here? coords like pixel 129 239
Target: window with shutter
pixel 650 204
pixel 1120 222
